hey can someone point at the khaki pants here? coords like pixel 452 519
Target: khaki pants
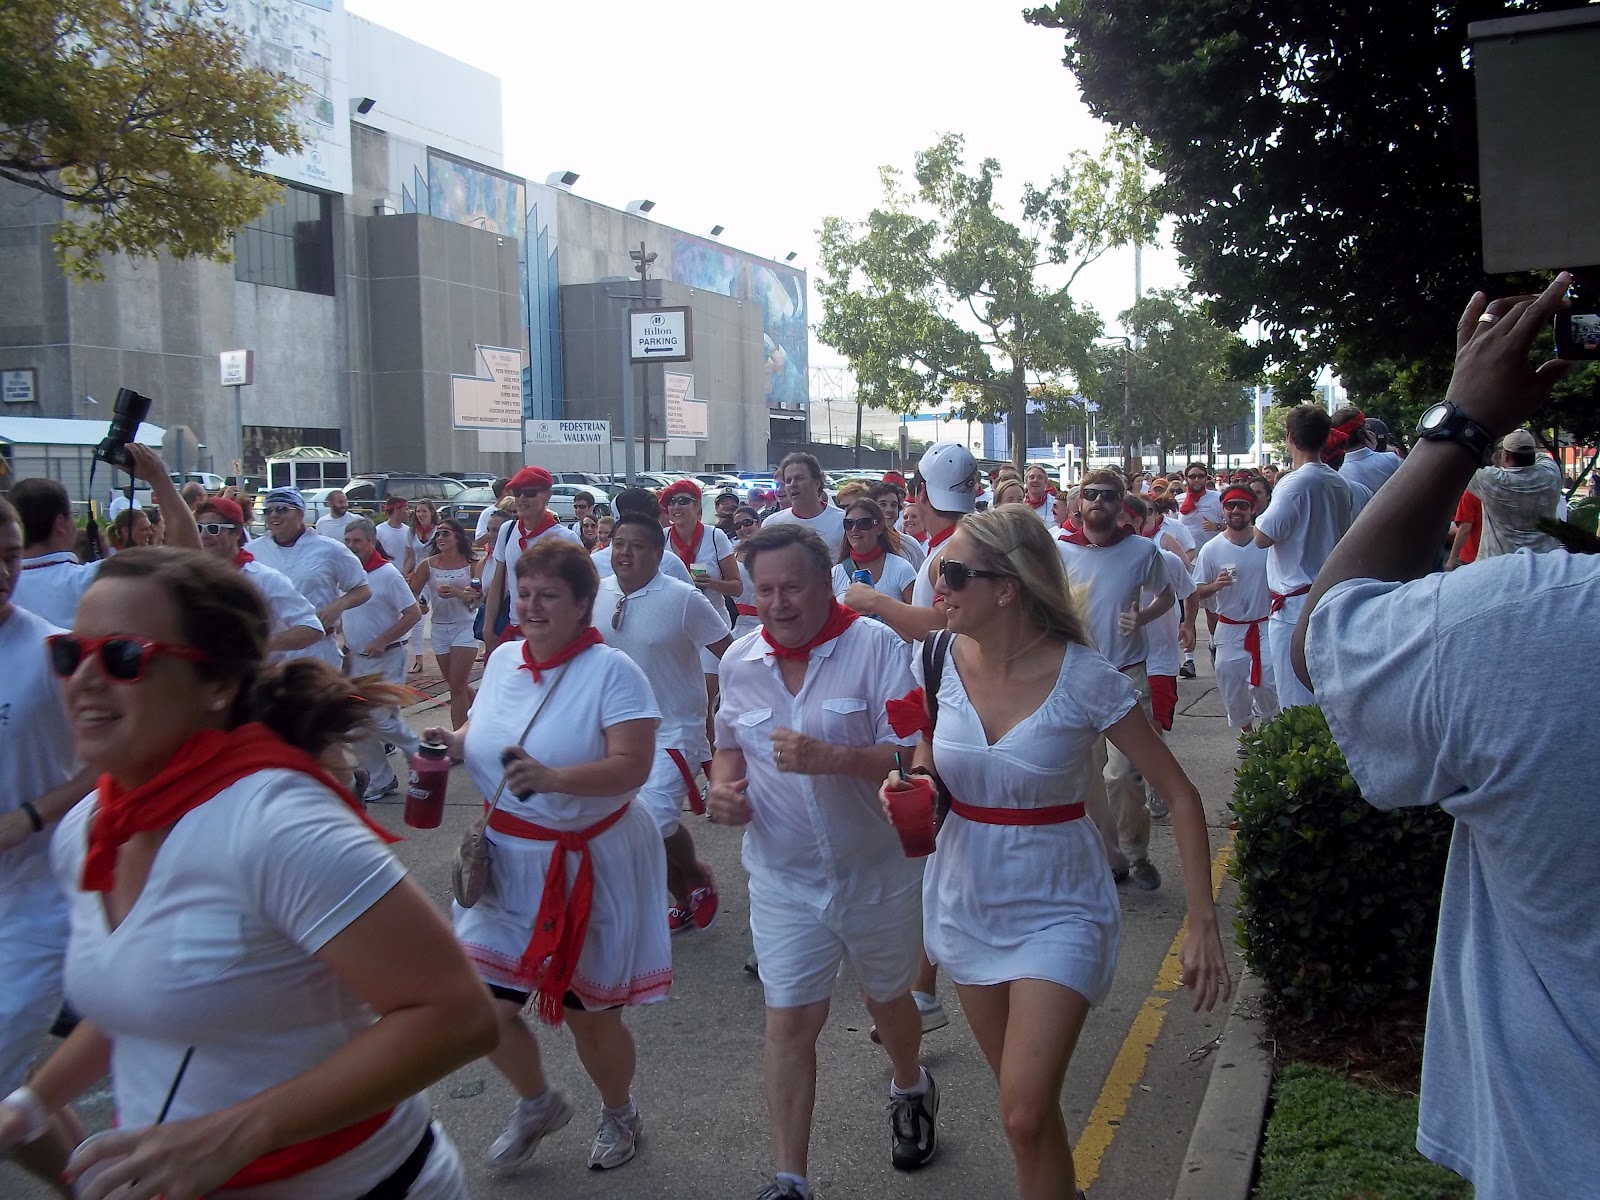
pixel 1116 794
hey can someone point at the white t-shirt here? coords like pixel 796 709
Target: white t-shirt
pixel 664 626
pixel 330 526
pixel 286 607
pixel 600 688
pixel 391 596
pixel 219 953
pixel 1311 509
pixel 671 565
pixel 1246 598
pixel 1510 1065
pixel 321 569
pixel 1161 635
pixel 1368 468
pixel 395 540
pixel 912 551
pixel 51 585
pixel 510 544
pixel 1208 507
pixel 1179 532
pixel 827 525
pixel 1043 511
pixel 713 548
pixel 1105 581
pixel 897 576
pixel 38 737
pixel 484 518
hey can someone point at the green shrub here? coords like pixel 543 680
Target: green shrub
pixel 1338 901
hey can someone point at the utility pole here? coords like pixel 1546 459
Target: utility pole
pixel 641 264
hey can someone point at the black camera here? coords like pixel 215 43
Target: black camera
pixel 130 411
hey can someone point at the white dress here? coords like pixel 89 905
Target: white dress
pixel 1004 902
pixel 627 956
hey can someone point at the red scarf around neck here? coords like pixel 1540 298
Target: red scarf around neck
pixel 424 533
pixel 204 765
pixel 839 618
pixel 935 540
pixel 687 550
pixel 526 535
pixel 589 637
pixel 1045 499
pixel 1190 500
pixel 244 556
pixel 862 560
pixel 1078 537
pixel 376 559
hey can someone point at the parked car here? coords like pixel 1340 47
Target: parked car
pixel 471 479
pixel 211 482
pixel 368 492
pixel 468 506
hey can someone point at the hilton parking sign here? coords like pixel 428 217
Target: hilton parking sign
pixel 661 334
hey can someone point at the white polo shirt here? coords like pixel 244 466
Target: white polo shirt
pixel 663 627
pixel 827 525
pixel 509 546
pixel 671 566
pixel 391 596
pixel 1106 580
pixel 1311 509
pixel 321 569
pixel 286 607
pixel 818 838
pixel 38 738
pixel 51 585
pixel 1368 468
pixel 1208 507
pixel 330 526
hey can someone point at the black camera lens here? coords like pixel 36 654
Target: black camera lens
pixel 126 416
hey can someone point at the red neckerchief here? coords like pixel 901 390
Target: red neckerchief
pixel 526 535
pixel 205 764
pixel 375 560
pixel 862 560
pixel 687 550
pixel 244 556
pixel 589 637
pixel 1029 501
pixel 1078 537
pixel 1190 500
pixel 838 621
pixel 935 539
pixel 424 534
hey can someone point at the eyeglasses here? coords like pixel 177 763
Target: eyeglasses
pixel 747 523
pixel 957 574
pixel 861 523
pixel 616 616
pixel 123 657
pixel 676 501
pixel 1237 505
pixel 277 510
pixel 1108 494
pixel 530 493
pixel 1195 475
pixel 212 528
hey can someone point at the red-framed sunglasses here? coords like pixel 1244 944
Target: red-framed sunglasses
pixel 123 657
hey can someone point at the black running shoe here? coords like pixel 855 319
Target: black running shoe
pixel 913 1136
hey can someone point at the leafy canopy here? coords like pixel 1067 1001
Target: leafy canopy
pixel 937 296
pixel 143 116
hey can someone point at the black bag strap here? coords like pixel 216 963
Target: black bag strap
pixel 935 650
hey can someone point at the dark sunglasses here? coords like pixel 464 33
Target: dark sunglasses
pixel 212 528
pixel 530 493
pixel 1108 494
pixel 123 657
pixel 676 500
pixel 957 574
pixel 747 523
pixel 1234 505
pixel 273 510
pixel 617 615
pixel 861 523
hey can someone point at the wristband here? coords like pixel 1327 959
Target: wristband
pixel 34 818
pixel 26 1101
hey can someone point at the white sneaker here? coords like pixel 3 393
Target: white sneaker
pixel 928 1008
pixel 526 1130
pixel 616 1138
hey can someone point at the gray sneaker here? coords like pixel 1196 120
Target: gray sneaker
pixel 1144 875
pixel 931 1011
pixel 1157 806
pixel 525 1131
pixel 777 1190
pixel 615 1140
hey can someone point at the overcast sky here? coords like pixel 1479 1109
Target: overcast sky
pixel 768 119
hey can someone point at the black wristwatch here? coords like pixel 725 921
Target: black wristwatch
pixel 1444 422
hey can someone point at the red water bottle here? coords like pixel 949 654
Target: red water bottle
pixel 430 778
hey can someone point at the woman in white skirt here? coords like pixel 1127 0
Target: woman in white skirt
pixel 268 991
pixel 571 918
pixel 1019 906
pixel 447 577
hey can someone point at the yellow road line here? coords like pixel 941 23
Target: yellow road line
pixel 1127 1068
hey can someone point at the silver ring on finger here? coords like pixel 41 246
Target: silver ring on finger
pixel 1487 319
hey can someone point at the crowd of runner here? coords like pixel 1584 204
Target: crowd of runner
pixel 271 996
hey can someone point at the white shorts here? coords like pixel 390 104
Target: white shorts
pixel 453 635
pixel 664 792
pixel 33 945
pixel 799 949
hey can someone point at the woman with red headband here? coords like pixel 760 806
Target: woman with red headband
pixel 268 990
pixel 871 546
pixel 529 490
pixel 571 919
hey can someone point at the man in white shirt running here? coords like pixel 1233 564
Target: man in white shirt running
pixel 394 535
pixel 295 630
pixel 803 740
pixel 800 476
pixel 1111 568
pixel 531 486
pixel 1362 463
pixel 332 523
pixel 1230 577
pixel 662 624
pixel 375 636
pixel 323 570
pixel 39 782
pixel 1311 509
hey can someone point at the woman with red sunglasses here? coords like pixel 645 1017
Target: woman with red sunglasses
pixel 268 991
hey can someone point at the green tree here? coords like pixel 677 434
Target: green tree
pixel 937 296
pixel 1321 161
pixel 144 118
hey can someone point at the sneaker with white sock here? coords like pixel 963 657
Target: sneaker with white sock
pixel 616 1138
pixel 529 1125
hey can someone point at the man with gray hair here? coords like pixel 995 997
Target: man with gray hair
pixel 1522 486
pixel 375 637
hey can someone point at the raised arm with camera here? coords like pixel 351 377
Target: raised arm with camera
pixel 175 514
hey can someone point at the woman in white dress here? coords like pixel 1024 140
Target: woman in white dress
pixel 424 524
pixel 746 524
pixel 447 577
pixel 576 927
pixel 1019 906
pixel 871 545
pixel 269 992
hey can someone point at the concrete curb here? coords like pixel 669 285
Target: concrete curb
pixel 1221 1161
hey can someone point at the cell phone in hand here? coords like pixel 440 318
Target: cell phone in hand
pixel 1577 328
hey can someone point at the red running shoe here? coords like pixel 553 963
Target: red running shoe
pixel 679 918
pixel 703 900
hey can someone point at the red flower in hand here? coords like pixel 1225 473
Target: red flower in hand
pixel 909 715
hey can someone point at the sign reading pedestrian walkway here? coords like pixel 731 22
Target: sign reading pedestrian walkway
pixel 491 399
pixel 569 433
pixel 661 334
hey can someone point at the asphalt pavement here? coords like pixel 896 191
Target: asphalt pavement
pixel 1131 1095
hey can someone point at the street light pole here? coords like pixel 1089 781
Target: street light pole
pixel 641 264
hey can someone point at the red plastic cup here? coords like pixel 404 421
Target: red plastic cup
pixel 911 814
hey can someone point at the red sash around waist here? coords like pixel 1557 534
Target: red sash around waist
pixel 1279 599
pixel 1054 814
pixel 1252 643
pixel 562 921
pixel 304 1156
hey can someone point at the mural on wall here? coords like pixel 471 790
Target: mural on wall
pixel 781 293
